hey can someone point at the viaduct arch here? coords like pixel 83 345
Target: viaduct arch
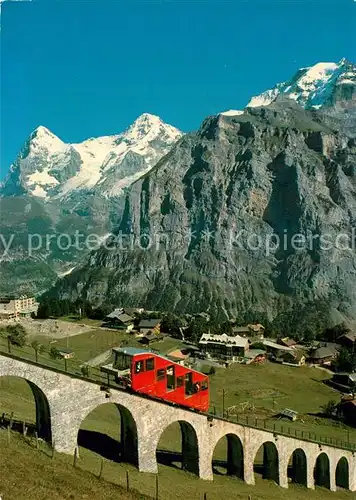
pixel 120 445
pixel 342 473
pixel 298 468
pixel 42 408
pixel 269 461
pixel 69 400
pixel 233 461
pixel 189 447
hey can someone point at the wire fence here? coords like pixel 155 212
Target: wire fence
pixel 284 429
pixel 73 368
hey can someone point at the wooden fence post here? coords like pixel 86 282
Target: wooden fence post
pixel 75 456
pixel 101 468
pixel 37 442
pixel 127 481
pixel 8 435
pixel 53 450
pixel 157 488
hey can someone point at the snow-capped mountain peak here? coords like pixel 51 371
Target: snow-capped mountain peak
pixel 144 124
pixel 148 127
pixel 317 74
pixel 49 168
pixel 43 138
pixel 313 87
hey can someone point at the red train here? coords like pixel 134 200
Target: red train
pixel 148 373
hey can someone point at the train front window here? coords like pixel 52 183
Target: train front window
pixel 170 378
pixel 122 361
pixel 160 374
pixel 204 385
pixel 150 364
pixel 139 366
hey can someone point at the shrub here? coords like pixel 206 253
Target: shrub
pixel 54 353
pixel 329 408
pixel 16 335
pixel 85 370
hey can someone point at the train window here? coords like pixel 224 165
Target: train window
pixel 204 385
pixel 170 378
pixel 180 381
pixel 188 384
pixel 150 364
pixel 139 367
pixel 161 374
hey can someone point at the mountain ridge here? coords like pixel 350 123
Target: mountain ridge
pixel 314 86
pixel 48 167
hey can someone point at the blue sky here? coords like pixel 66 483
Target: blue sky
pixel 89 68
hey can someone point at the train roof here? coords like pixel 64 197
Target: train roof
pixel 131 351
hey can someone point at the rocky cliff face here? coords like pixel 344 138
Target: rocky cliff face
pixel 255 211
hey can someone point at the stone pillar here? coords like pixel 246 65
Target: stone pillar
pixel 332 468
pixel 310 471
pixel 147 461
pixel 64 433
pixel 352 473
pixel 206 444
pixel 332 483
pixel 149 432
pixel 283 470
pixel 249 475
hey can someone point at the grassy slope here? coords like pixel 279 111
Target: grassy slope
pixel 26 474
pixel 92 343
pixel 271 387
pixel 89 344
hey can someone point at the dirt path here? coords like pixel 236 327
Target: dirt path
pixel 100 359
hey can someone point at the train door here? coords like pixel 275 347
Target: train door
pixel 188 384
pixel 170 378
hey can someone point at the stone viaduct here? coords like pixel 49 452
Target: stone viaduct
pixel 63 402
